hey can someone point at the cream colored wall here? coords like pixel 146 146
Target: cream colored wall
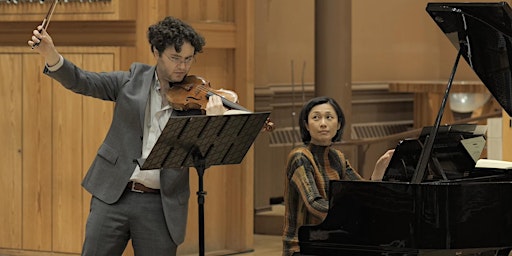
pixel 391 40
pixel 284 33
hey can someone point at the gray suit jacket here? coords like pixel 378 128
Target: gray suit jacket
pixel 114 163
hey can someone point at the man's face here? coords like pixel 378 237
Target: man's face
pixel 173 66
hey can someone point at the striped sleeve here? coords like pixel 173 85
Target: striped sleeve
pixel 302 180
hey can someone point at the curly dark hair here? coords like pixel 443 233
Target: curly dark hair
pixel 173 32
pixel 303 117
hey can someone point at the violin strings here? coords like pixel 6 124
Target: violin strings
pixel 204 89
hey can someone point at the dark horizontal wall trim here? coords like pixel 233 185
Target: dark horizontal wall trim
pixel 72 33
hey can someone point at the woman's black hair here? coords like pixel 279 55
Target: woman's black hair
pixel 173 32
pixel 303 117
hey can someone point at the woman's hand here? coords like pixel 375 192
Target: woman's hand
pixel 381 165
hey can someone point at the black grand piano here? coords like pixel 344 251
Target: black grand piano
pixel 433 200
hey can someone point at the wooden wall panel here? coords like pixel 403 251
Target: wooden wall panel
pixel 67 166
pixel 94 111
pixel 215 217
pixel 96 10
pixel 44 207
pixel 204 10
pixel 240 227
pixel 216 66
pixel 10 152
pixel 507 137
pixel 223 202
pixel 37 155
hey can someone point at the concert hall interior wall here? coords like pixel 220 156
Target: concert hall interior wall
pixel 262 49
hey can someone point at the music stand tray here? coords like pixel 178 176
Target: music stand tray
pixel 202 141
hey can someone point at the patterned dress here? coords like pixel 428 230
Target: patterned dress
pixel 308 172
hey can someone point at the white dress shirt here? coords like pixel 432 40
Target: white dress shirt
pixel 157 115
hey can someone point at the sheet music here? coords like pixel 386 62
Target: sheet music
pixel 495 164
pixel 474 146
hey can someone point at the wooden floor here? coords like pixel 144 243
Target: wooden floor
pixel 267 238
pixel 265 245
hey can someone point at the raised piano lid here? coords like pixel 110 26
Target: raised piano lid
pixel 484 32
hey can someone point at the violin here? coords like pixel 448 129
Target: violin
pixel 193 93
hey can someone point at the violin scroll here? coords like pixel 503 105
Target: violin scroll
pixel 268 126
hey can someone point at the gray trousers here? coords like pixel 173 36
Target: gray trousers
pixel 136 216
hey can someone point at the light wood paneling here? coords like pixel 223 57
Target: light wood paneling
pixel 204 10
pixel 240 225
pixel 96 10
pixel 507 137
pixel 215 184
pixel 225 200
pixel 37 155
pixel 215 65
pixel 45 207
pixel 10 152
pixel 67 165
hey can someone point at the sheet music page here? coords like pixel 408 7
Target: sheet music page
pixel 474 146
pixel 495 164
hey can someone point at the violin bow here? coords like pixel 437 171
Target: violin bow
pixel 47 19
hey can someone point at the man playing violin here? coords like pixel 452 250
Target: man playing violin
pixel 149 207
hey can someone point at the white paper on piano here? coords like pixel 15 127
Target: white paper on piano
pixel 495 164
pixel 474 146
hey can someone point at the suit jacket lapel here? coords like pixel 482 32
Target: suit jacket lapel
pixel 147 82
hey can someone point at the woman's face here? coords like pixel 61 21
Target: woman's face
pixel 322 124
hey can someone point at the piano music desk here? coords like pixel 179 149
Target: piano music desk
pixel 428 96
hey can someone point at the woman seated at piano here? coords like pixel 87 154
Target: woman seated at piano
pixel 312 165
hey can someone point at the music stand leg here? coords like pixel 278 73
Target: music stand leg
pixel 200 203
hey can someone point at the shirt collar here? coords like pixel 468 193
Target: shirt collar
pixel 157 82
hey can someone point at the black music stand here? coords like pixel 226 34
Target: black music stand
pixel 203 141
